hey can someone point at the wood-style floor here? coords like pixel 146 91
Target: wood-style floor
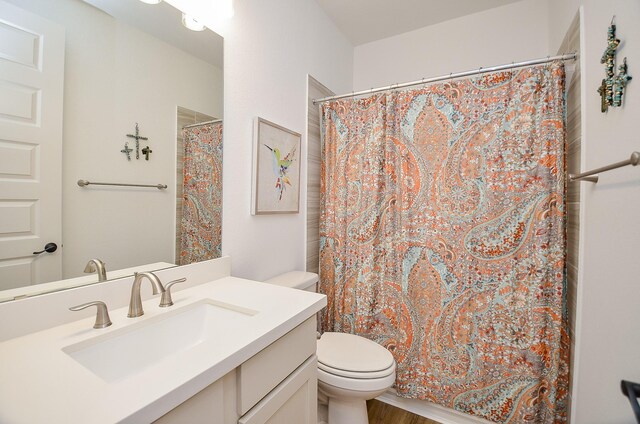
pixel 382 413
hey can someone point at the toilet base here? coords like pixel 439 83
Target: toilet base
pixel 347 406
pixel 323 410
pixel 347 411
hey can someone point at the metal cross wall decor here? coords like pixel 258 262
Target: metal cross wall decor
pixel 137 137
pixel 127 150
pixel 612 87
pixel 146 152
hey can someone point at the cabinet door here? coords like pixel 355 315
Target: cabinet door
pixel 281 358
pixel 292 401
pixel 215 404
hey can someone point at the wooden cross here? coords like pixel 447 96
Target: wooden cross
pixel 127 151
pixel 146 151
pixel 138 137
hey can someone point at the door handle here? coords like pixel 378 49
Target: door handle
pixel 49 248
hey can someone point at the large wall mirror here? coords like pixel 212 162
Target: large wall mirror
pixel 76 78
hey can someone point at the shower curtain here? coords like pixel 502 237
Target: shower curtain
pixel 442 238
pixel 201 223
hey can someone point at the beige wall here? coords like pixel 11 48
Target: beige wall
pixel 270 47
pixel 496 36
pixel 608 328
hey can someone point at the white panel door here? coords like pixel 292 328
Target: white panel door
pixel 31 92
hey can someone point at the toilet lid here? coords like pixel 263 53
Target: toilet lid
pixel 355 375
pixel 349 352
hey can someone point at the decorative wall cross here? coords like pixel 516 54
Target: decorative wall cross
pixel 127 150
pixel 146 152
pixel 138 137
pixel 621 81
pixel 612 87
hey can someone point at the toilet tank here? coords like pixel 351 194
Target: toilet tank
pixel 297 280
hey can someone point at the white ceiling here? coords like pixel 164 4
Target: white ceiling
pixel 163 21
pixel 363 21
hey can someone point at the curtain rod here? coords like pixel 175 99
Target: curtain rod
pixel 568 56
pixel 203 123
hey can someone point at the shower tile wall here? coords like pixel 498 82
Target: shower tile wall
pixel 185 117
pixel 571 43
pixel 316 91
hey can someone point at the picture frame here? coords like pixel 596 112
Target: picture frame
pixel 276 169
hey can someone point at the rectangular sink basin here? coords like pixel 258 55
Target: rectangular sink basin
pixel 122 353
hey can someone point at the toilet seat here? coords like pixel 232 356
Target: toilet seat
pixel 351 361
pixel 357 374
pixel 357 384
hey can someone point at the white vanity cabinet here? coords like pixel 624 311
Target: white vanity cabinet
pixel 245 354
pixel 278 385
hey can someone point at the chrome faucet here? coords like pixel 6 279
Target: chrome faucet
pixel 96 265
pixel 135 305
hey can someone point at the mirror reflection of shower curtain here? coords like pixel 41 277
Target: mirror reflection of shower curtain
pixel 201 223
pixel 442 225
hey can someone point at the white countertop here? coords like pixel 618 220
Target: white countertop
pixel 40 383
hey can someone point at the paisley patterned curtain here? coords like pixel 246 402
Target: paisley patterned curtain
pixel 443 239
pixel 201 223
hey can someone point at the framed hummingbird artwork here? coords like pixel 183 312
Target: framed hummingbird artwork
pixel 276 169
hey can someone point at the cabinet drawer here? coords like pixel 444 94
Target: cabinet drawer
pixel 292 401
pixel 264 371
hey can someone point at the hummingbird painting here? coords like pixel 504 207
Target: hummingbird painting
pixel 281 168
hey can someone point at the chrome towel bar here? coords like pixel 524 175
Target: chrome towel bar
pixel 592 176
pixel 84 183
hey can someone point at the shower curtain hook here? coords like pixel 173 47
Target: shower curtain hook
pixel 613 18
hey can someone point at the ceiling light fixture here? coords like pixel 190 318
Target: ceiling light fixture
pixel 151 1
pixel 191 23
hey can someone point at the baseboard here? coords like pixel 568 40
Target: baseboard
pixel 429 410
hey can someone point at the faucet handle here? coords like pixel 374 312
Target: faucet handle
pixel 102 314
pixel 166 300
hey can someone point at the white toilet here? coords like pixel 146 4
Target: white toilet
pixel 351 369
